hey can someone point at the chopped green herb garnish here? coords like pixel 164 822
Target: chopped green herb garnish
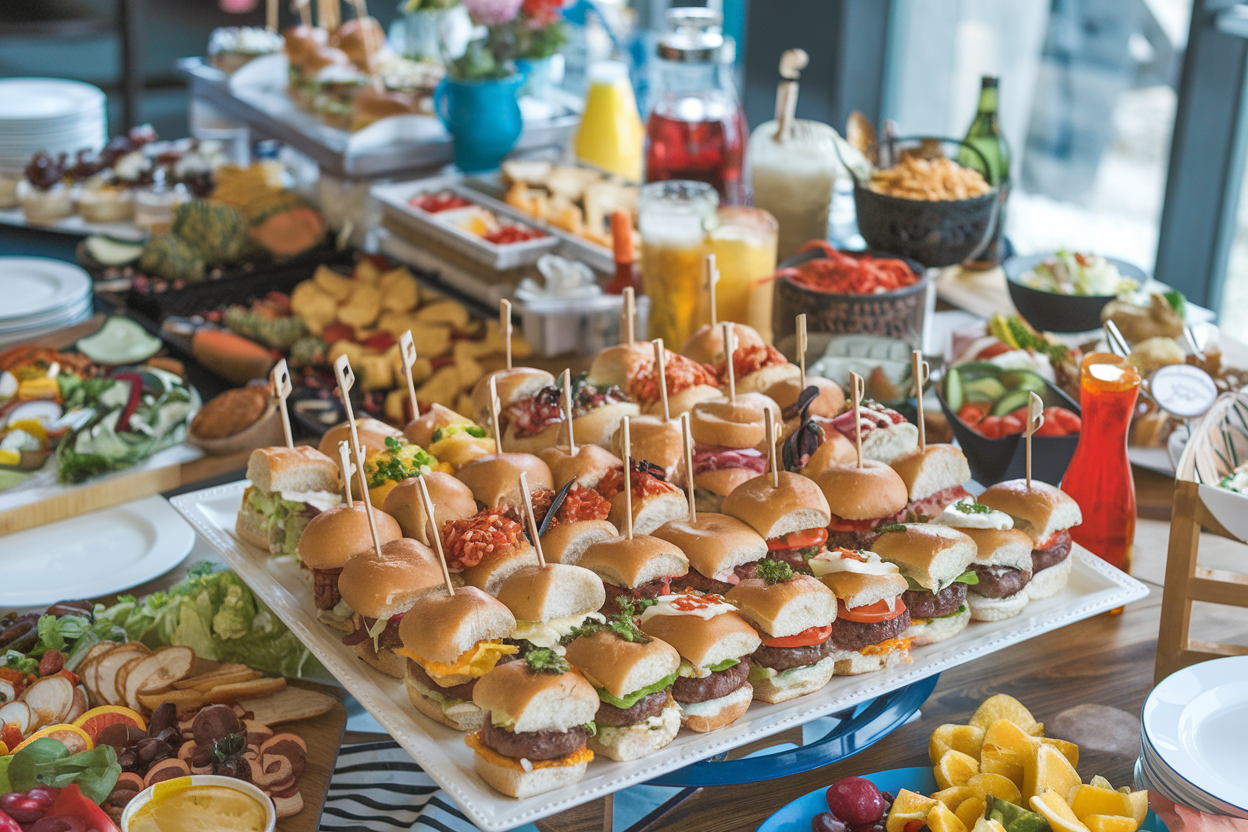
pixel 891 527
pixel 969 507
pixel 545 660
pixel 398 462
pixel 622 625
pixel 774 571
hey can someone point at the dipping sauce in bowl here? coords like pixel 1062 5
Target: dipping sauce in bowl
pixel 202 803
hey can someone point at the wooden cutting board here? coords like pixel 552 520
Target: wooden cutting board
pixel 323 736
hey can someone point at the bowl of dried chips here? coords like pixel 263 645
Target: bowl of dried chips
pixel 928 200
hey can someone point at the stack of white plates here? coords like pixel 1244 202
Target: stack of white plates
pixel 40 296
pixel 1194 738
pixel 49 114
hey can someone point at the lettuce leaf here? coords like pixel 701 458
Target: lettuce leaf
pixel 48 762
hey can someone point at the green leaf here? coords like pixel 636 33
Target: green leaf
pixel 968 577
pixel 633 698
pixel 1176 300
pixel 724 665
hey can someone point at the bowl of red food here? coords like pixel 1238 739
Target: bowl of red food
pixel 849 293
pixel 986 406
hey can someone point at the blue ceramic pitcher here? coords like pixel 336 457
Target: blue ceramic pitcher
pixel 484 118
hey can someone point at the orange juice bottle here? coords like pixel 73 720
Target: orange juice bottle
pixel 610 136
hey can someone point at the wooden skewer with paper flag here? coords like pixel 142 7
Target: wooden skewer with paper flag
pixel 407 352
pixel 279 380
pixel 921 372
pixel 1035 418
pixel 528 512
pixel 435 533
pixel 348 468
pixel 346 380
pixel 857 388
pixel 687 447
pixel 567 411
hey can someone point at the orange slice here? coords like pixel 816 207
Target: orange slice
pixel 97 719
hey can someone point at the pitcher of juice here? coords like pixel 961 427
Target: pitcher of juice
pixel 1099 477
pixel 696 130
pixel 611 136
pixel 673 218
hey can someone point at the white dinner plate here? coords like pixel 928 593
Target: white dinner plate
pixel 47 100
pixel 1177 789
pixel 39 286
pixel 1197 722
pixel 93 554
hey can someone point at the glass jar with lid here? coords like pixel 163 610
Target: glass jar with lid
pixel 696 130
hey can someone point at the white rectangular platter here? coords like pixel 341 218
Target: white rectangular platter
pixel 1094 587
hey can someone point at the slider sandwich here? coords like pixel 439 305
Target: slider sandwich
pixel 420 431
pixel 486 548
pixel 658 442
pixel 289 486
pixel 459 444
pixel 1046 514
pixel 550 601
pixel 380 589
pixel 826 402
pixel 886 435
pixel 512 384
pixel 633 674
pixel 936 562
pixel 634 569
pixel 730 445
pixel 363 40
pixel 794 615
pixel 632 369
pixel 450 642
pixel 331 539
pixel 567 542
pixel 793 516
pixel 495 478
pixel 706 344
pixel 757 367
pixel 871 616
pixel 587 466
pixel 569 521
pixel 533 740
pixel 933 478
pixel 654 499
pixel 861 502
pixel 715 644
pixel 722 551
pixel 535 420
pixel 452 500
pixel 373 434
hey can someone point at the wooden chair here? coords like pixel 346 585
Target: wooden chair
pixel 1186 580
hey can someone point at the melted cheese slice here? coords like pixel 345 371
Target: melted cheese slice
pixel 471 664
pixel 548 633
pixel 582 755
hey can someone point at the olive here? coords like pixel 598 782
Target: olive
pixel 165 716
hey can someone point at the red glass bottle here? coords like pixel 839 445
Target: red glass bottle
pixel 1099 477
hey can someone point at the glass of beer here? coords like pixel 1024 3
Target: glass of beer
pixel 744 245
pixel 673 218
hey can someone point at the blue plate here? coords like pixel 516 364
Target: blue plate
pixel 796 816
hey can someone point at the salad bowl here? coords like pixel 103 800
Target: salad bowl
pixel 1056 311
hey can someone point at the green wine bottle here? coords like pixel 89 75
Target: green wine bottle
pixel 985 136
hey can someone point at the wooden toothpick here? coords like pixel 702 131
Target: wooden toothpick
pixel 304 9
pixel 494 408
pixel 630 302
pixel 769 425
pixel 628 480
pixel 567 410
pixel 528 510
pixel 921 372
pixel 346 380
pixel 348 468
pixel 1035 418
pixel 730 348
pixel 435 532
pixel 270 15
pixel 504 324
pixel 856 388
pixel 687 444
pixel 280 381
pixel 801 349
pixel 407 349
pixel 660 363
pixel 712 277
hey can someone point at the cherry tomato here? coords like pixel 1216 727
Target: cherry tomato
pixel 991 427
pixel 871 613
pixel 799 540
pixel 972 413
pixel 1051 427
pixel 1011 424
pixel 1069 421
pixel 806 638
pixel 512 234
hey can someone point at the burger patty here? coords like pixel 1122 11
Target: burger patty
pixel 851 540
pixel 1055 554
pixel 647 706
pixel 532 745
pixel 720 683
pixel 651 589
pixel 787 658
pixel 923 604
pixel 463 691
pixel 325 588
pixel 855 635
pixel 696 581
pixel 999 581
pixel 388 639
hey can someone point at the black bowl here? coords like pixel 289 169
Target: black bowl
pixel 935 233
pixel 1055 312
pixel 897 314
pixel 997 460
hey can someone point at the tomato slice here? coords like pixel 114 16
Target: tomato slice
pixel 871 613
pixel 799 540
pixel 806 638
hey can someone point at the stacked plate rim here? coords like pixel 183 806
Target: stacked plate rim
pixel 49 114
pixel 41 295
pixel 1192 733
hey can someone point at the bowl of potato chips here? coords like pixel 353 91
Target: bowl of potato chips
pixel 928 201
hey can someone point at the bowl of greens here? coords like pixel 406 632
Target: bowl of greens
pixel 1066 291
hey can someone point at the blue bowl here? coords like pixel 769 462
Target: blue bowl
pixel 796 816
pixel 1055 312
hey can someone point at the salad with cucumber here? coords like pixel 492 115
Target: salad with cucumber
pixel 1075 273
pixel 992 401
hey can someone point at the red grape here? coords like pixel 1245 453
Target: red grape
pixel 46 795
pixel 856 801
pixel 59 824
pixel 826 822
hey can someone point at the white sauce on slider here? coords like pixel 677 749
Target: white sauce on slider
pixel 320 500
pixel 825 563
pixel 992 519
pixel 548 633
pixel 703 608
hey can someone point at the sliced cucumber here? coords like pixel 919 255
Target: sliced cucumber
pixel 985 389
pixel 1031 382
pixel 108 251
pixel 953 390
pixel 1010 402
